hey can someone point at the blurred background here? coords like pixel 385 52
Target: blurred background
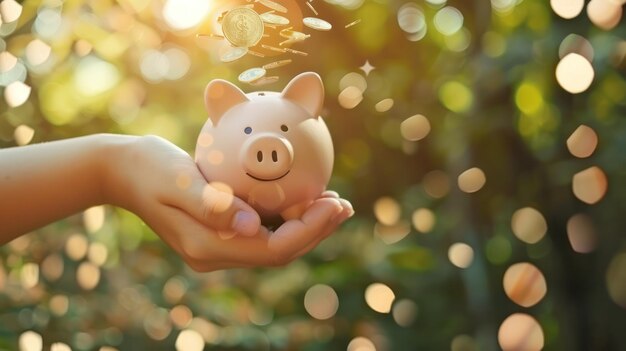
pixel 482 143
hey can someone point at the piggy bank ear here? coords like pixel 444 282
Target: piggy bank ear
pixel 307 91
pixel 220 96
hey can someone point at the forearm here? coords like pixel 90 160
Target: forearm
pixel 45 182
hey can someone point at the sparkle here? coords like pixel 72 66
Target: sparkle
pixel 367 68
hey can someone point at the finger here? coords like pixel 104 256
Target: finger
pixel 215 205
pixel 346 213
pixel 296 234
pixel 203 249
pixel 330 193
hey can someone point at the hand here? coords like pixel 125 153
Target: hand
pixel 161 183
pixel 205 250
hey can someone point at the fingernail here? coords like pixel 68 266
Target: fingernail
pixel 338 211
pixel 245 223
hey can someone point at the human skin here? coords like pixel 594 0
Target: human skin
pixel 159 182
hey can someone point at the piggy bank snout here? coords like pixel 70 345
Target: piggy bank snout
pixel 267 157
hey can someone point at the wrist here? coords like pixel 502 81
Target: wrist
pixel 112 153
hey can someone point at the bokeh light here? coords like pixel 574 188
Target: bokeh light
pixel 436 184
pixel 37 52
pixel 93 218
pixel 350 97
pixel 524 284
pixel 574 73
pixel 415 128
pixel 23 134
pixel 448 20
pixel 471 180
pixel 7 61
pixel 461 255
pixel 361 343
pixel 16 93
pixel 10 10
pixel 423 220
pixel 605 14
pixel 189 340
pixel 59 346
pixel 321 301
pixel 616 279
pixel 88 275
pixel 590 185
pixel 185 14
pixel 30 340
pixel 379 297
pixel 520 331
pixel 387 210
pixel 404 312
pixel 583 142
pixel 463 343
pixel 76 246
pixel 384 105
pixel 581 233
pixel 567 8
pixel 528 225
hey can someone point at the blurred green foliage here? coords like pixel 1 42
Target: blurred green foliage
pixel 491 98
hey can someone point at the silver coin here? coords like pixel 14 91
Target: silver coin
pixel 252 74
pixel 316 23
pixel 233 53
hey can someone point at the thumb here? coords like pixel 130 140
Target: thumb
pixel 215 206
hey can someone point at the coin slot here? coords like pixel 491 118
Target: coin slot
pixel 261 94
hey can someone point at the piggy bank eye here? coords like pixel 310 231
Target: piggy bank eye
pixel 247 130
pixel 284 128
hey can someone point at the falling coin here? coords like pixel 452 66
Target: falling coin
pixel 273 5
pixel 276 64
pixel 242 27
pixel 257 54
pixel 233 54
pixel 292 34
pixel 211 36
pixel 296 52
pixel 264 81
pixel 268 47
pixel 271 18
pixel 252 74
pixel 352 23
pixel 312 8
pixel 316 23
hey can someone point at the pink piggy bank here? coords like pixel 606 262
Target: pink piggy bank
pixel 272 149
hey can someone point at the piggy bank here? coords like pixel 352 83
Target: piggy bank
pixel 271 148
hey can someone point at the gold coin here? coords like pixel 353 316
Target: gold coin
pixel 273 5
pixel 211 36
pixel 292 34
pixel 353 23
pixel 268 47
pixel 264 81
pixel 312 8
pixel 242 27
pixel 296 52
pixel 277 64
pixel 232 54
pixel 252 74
pixel 271 18
pixel 316 23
